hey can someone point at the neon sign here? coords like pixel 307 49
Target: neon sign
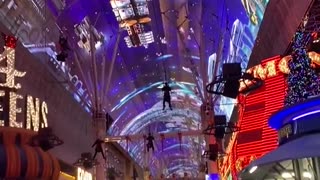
pixel 271 96
pixel 36 110
pixel 285 132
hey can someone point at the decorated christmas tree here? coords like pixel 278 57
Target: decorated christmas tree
pixel 303 82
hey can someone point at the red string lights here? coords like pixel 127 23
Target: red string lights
pixel 10 41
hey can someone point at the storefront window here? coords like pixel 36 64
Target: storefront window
pixel 302 169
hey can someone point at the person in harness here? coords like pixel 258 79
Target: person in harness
pixel 98 148
pixel 166 95
pixel 150 140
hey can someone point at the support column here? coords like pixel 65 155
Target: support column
pixel 316 167
pixel 146 169
pixel 169 18
pixel 99 124
pixel 297 169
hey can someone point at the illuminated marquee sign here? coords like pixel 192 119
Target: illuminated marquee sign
pixel 272 67
pixel 36 110
pixel 271 96
pixel 83 175
pixel 285 132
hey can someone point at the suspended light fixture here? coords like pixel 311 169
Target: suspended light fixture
pixel 82 30
pixel 133 16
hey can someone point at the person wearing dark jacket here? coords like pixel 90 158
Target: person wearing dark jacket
pixel 150 140
pixel 98 148
pixel 166 96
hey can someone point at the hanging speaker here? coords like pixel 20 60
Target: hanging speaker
pixel 219 132
pixel 231 88
pixel 231 70
pixel 220 123
pixel 213 152
pixel 220 120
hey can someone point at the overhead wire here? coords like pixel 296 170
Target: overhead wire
pixel 44 32
pixel 160 43
pixel 186 48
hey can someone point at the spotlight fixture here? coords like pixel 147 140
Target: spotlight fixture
pixel 228 83
pixel 133 16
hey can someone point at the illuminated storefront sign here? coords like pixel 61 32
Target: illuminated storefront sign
pixel 271 68
pixel 304 126
pixel 36 110
pixel 253 117
pixel 285 132
pixel 83 175
pixel 300 119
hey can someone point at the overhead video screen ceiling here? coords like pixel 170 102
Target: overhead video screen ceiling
pixel 134 98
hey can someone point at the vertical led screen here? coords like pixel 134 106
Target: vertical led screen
pixel 255 137
pixel 242 20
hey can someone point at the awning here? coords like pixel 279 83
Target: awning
pixel 303 147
